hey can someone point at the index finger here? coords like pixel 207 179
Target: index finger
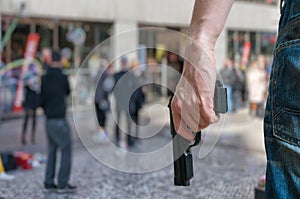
pixel 181 127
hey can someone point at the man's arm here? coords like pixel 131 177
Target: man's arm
pixel 208 19
pixel 192 105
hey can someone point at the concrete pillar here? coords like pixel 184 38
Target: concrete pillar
pixel 32 27
pixel 126 24
pixel 55 44
pixel 125 41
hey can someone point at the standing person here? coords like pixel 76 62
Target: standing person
pixel 238 86
pixel 94 63
pixel 228 76
pixel 122 93
pixel 138 98
pixel 102 105
pixel 31 103
pixel 55 87
pixel 282 119
pixel 256 83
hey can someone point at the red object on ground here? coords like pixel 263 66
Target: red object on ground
pixel 24 160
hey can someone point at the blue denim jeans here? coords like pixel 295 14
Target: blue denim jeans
pixel 282 117
pixel 59 137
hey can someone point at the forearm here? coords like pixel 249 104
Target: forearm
pixel 208 19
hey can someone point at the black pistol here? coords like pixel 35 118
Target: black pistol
pixel 182 156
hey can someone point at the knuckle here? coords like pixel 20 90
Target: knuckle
pixel 194 128
pixel 202 126
pixel 199 128
pixel 213 118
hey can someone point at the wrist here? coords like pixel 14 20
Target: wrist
pixel 204 39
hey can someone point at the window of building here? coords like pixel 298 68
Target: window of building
pixel 260 43
pixel 53 35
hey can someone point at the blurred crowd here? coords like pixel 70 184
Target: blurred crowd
pixel 247 84
pixel 124 88
pixel 122 92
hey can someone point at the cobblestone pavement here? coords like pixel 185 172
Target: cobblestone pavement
pixel 230 171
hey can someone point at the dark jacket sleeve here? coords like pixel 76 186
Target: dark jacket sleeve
pixel 42 94
pixel 68 90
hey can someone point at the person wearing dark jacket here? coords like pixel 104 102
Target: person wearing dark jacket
pixel 31 103
pixel 54 88
pixel 102 104
pixel 125 84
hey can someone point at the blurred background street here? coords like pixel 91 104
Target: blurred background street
pixel 123 59
pixel 231 170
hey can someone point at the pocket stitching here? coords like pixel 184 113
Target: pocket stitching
pixel 287 137
pixel 287 44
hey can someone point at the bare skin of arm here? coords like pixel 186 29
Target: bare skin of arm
pixel 192 105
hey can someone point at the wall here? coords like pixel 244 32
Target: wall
pixel 128 14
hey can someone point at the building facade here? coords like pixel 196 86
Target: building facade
pixel 253 20
pixel 121 28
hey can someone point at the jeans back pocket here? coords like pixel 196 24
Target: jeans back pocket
pixel 287 126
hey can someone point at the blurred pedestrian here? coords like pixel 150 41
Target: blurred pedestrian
pixel 12 84
pixel 256 83
pixel 102 103
pixel 228 77
pixel 45 57
pixel 66 54
pixel 31 102
pixel 6 91
pixel 126 82
pixel 55 87
pixel 238 86
pixel 137 99
pixel 93 67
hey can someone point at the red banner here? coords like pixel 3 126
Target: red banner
pixel 246 53
pixel 30 50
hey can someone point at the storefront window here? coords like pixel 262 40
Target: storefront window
pixel 46 36
pixel 260 43
pixel 53 35
pixel 267 42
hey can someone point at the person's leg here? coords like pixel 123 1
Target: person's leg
pixel 282 116
pixel 135 119
pixel 51 159
pixel 253 108
pixel 65 164
pixel 260 110
pixel 117 128
pixel 13 89
pixel 129 129
pixel 102 119
pixel 25 122
pixel 33 126
pixel 257 111
pixel 237 99
pixel 233 108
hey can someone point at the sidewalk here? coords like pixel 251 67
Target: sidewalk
pixel 230 170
